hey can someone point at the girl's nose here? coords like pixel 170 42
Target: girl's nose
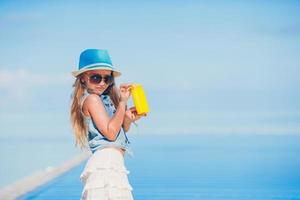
pixel 102 83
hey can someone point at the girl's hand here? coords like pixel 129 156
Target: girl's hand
pixel 132 115
pixel 125 92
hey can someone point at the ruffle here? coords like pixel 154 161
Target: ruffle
pixel 102 194
pixel 105 176
pixel 110 183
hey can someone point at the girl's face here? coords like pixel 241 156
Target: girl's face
pixel 98 80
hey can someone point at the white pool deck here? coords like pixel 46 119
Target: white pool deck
pixel 39 178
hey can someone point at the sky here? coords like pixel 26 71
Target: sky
pixel 206 66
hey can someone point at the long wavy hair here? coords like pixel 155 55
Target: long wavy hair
pixel 78 121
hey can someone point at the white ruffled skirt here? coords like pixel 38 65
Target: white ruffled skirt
pixel 105 177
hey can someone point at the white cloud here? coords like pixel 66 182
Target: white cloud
pixel 20 17
pixel 233 130
pixel 19 85
pixel 221 122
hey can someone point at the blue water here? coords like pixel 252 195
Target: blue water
pixel 216 167
pixel 210 166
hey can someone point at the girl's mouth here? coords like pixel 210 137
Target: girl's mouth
pixel 100 88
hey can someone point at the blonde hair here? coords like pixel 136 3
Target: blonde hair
pixel 78 121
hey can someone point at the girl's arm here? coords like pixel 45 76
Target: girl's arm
pixel 126 124
pixel 109 127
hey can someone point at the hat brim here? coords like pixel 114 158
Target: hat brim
pixel 116 73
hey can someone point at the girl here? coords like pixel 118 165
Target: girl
pixel 100 120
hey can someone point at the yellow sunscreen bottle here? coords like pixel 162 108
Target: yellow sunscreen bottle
pixel 139 99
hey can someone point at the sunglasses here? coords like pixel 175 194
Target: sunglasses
pixel 97 78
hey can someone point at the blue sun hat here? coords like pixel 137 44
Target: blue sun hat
pixel 92 59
